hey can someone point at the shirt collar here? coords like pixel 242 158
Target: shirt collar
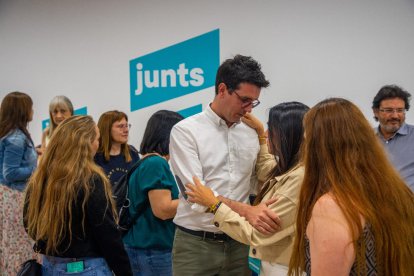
pixel 216 119
pixel 403 130
pixel 279 177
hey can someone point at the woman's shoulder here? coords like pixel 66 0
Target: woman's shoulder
pixel 327 212
pixel 15 135
pixel 132 149
pixel 326 204
pixel 297 172
pixel 328 219
pixel 293 177
pixel 16 132
pixel 154 158
pixel 99 158
pixel 96 181
pixel 133 152
pixel 154 164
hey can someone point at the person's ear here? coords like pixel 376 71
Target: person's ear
pixel 222 89
pixel 376 111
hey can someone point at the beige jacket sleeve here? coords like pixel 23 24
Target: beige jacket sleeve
pixel 264 164
pixel 287 190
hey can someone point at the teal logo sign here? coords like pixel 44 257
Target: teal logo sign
pixel 190 111
pixel 172 72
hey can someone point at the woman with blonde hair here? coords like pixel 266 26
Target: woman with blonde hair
pixel 17 162
pixel 68 209
pixel 60 108
pixel 356 214
pixel 114 154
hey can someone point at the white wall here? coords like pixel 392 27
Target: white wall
pixel 309 50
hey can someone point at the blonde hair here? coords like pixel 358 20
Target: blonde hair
pixel 343 156
pixel 105 123
pixel 66 169
pixel 58 101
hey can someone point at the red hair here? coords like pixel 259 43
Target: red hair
pixel 343 156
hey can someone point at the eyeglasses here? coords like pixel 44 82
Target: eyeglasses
pixel 122 126
pixel 246 101
pixel 392 110
pixel 62 111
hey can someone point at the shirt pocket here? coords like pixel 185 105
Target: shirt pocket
pixel 247 159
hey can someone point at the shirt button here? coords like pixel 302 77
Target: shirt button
pixel 216 224
pixel 254 251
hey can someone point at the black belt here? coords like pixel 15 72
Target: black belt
pixel 61 260
pixel 221 237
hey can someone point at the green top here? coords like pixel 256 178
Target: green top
pixel 150 232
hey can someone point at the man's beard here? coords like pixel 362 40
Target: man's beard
pixel 391 128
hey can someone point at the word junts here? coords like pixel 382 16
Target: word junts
pixel 168 77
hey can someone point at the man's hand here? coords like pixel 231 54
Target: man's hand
pixel 263 218
pixel 198 193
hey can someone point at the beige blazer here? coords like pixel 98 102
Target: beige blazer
pixel 264 164
pixel 276 248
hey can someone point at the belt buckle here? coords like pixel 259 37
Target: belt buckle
pixel 215 237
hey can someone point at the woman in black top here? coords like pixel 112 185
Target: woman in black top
pixel 68 207
pixel 114 154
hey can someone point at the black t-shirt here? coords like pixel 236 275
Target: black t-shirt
pixel 116 166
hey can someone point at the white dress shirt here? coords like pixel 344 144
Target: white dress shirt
pixel 222 157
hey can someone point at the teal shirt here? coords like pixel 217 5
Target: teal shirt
pixel 150 232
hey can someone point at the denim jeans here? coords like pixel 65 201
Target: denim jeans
pixel 55 266
pixel 149 262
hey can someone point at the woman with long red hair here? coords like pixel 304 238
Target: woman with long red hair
pixel 356 214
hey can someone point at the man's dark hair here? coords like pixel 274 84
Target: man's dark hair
pixel 240 69
pixel 157 133
pixel 390 92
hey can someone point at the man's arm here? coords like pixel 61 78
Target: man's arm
pixel 184 159
pixel 185 163
pixel 261 217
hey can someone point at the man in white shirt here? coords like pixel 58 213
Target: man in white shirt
pixel 220 150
